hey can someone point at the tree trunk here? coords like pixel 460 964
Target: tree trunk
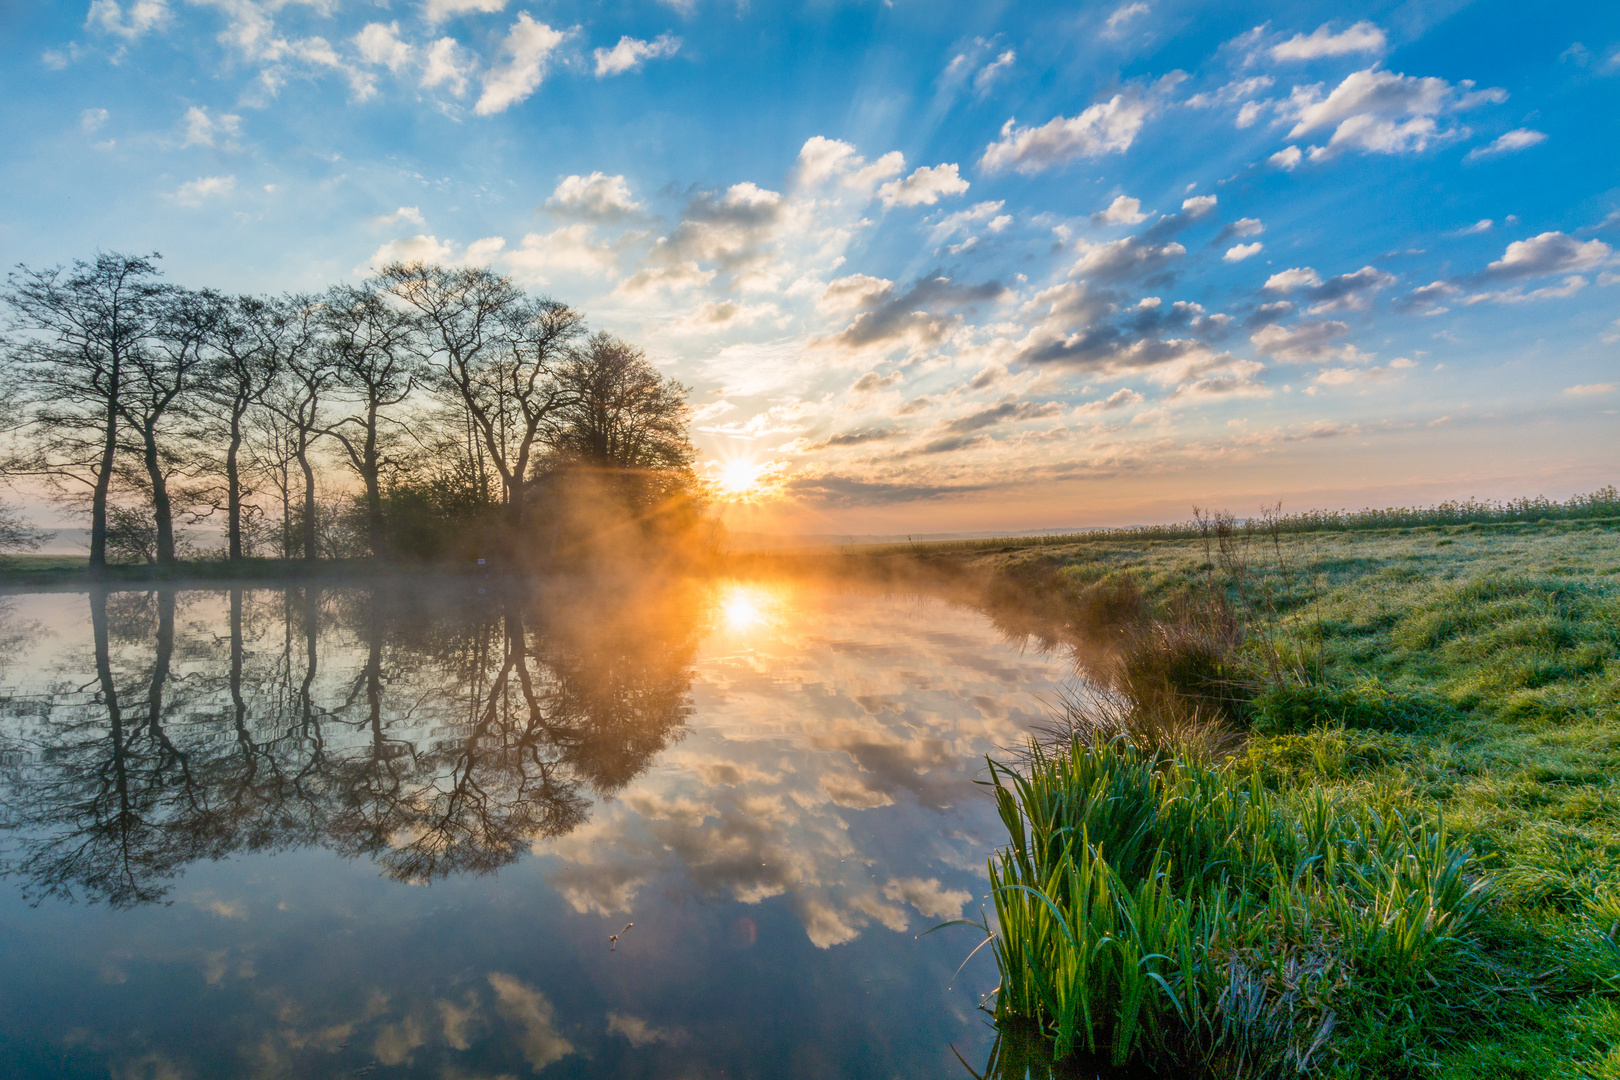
pixel 233 491
pixel 309 505
pixel 162 511
pixel 98 504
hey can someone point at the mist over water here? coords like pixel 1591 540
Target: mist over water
pixel 590 827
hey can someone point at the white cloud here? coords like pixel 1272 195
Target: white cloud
pixel 444 67
pixel 380 44
pixel 436 11
pixel 1239 252
pixel 405 213
pixel 1384 112
pixel 822 159
pixel 1548 253
pixel 962 219
pixel 569 250
pixel 1124 210
pixel 992 71
pixel 1483 225
pixel 195 192
pixel 91 120
pixel 1362 37
pixel 1569 287
pixel 1115 26
pixel 202 129
pixel 1590 389
pixel 1198 206
pixel 1300 277
pixel 1108 127
pixel 527 48
pixel 629 54
pixel 1286 159
pixel 1123 258
pixel 429 249
pixel 924 187
pixel 1515 140
pixel 1119 399
pixel 143 15
pixel 595 196
pixel 1300 343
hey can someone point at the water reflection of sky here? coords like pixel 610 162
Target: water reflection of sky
pixel 357 833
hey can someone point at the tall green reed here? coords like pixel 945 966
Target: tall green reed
pixel 1159 912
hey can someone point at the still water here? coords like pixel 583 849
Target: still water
pixel 442 831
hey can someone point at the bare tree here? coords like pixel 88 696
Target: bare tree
pixel 619 411
pixel 297 396
pixel 73 337
pixel 250 341
pixel 155 380
pixel 373 346
pixel 497 350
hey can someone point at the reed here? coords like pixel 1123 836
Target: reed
pixel 1155 912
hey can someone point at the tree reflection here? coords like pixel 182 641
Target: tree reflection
pixel 433 732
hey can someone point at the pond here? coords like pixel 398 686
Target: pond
pixel 472 829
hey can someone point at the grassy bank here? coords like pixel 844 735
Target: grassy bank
pixel 1468 674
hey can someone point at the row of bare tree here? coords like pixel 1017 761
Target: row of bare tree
pixel 133 397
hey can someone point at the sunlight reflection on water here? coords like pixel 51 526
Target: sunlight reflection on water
pixel 761 790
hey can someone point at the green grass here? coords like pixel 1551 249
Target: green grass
pixel 1469 674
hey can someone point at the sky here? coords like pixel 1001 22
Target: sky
pixel 925 266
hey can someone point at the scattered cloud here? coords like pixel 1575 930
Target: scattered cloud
pixel 987 75
pixel 1108 127
pixel 196 192
pixel 1568 287
pixel 1119 399
pixel 1125 13
pixel 629 54
pixel 597 196
pixel 1363 37
pixel 1590 389
pixel 1548 253
pixel 405 213
pixel 1239 252
pixel 205 130
pixel 437 11
pixel 1124 210
pixel 446 67
pixel 128 23
pixel 528 48
pixel 1384 112
pixel 924 187
pixel 1287 159
pixel 92 120
pixel 379 44
pixel 1300 343
pixel 1514 141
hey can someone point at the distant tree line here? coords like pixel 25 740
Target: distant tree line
pixel 429 412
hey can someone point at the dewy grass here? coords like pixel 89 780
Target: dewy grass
pixel 1469 673
pixel 1176 916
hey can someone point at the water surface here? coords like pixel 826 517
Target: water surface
pixel 394 830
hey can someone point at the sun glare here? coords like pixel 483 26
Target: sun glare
pixel 740 477
pixel 742 608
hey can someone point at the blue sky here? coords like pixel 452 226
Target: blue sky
pixel 927 266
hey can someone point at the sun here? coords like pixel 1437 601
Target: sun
pixel 742 609
pixel 740 477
